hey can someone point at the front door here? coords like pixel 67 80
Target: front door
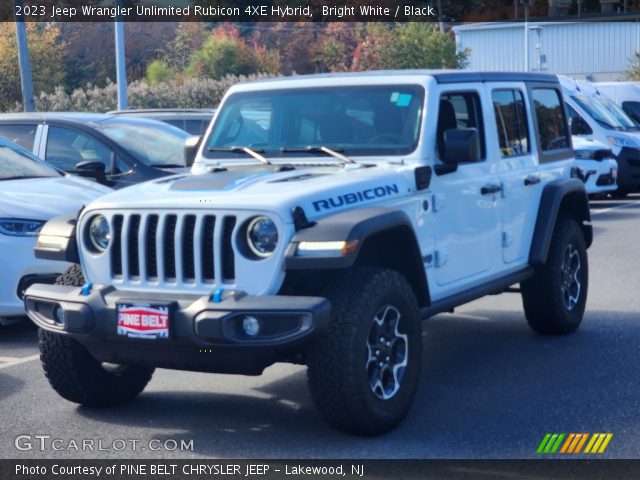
pixel 467 200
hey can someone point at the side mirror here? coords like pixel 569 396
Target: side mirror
pixel 191 146
pixel 92 169
pixel 461 145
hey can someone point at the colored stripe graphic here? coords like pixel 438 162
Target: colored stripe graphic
pixel 573 443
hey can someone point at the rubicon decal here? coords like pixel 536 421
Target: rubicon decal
pixel 356 197
pixel 574 443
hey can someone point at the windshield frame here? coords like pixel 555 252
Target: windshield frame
pixel 296 152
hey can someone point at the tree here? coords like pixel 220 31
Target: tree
pixel 633 72
pixel 46 52
pixel 159 71
pixel 223 53
pixel 407 45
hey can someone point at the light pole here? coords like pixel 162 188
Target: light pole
pixel 23 61
pixel 121 67
pixel 527 4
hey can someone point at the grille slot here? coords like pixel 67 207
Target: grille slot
pixel 188 257
pixel 133 259
pixel 228 257
pixel 169 247
pixel 116 249
pixel 151 254
pixel 208 260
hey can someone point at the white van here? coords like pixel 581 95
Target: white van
pixel 592 115
pixel 625 94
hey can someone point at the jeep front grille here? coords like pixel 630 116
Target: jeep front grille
pixel 173 248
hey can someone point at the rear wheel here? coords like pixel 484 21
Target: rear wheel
pixel 364 371
pixel 76 375
pixel 554 299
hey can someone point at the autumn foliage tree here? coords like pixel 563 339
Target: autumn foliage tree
pixel 46 54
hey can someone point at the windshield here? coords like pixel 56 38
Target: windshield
pixel 619 113
pixel 357 121
pixel 599 112
pixel 16 163
pixel 156 146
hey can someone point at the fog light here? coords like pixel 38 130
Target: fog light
pixel 59 315
pixel 251 326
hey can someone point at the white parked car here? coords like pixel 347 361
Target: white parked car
pixel 597 164
pixel 31 192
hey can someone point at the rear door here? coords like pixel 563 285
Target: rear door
pixel 521 183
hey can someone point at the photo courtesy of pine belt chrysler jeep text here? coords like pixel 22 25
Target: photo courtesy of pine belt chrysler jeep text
pixel 324 218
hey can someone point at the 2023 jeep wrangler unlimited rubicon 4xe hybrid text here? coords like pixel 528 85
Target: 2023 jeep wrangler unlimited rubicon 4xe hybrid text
pixel 326 216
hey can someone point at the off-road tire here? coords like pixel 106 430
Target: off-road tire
pixel 76 375
pixel 338 361
pixel 543 299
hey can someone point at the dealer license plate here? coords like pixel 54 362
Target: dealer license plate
pixel 143 320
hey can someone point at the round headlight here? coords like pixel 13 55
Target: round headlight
pixel 262 236
pixel 99 233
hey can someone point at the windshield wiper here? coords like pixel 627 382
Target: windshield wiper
pixel 20 177
pixel 166 165
pixel 320 148
pixel 252 153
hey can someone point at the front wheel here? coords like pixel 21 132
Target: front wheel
pixel 554 299
pixel 364 371
pixel 76 375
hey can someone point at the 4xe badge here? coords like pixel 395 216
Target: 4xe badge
pixel 143 321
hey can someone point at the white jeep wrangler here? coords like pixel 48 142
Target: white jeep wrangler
pixel 326 217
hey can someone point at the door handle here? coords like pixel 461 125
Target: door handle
pixel 531 180
pixel 490 188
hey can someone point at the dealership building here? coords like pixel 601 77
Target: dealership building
pixel 592 50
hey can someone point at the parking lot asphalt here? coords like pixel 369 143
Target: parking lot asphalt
pixel 490 387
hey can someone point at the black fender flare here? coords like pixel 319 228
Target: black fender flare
pixel 564 194
pixel 357 227
pixel 57 240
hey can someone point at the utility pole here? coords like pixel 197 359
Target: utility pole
pixel 527 4
pixel 440 22
pixel 121 67
pixel 23 61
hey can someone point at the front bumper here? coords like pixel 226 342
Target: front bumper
pixel 204 335
pixel 600 176
pixel 629 169
pixel 19 267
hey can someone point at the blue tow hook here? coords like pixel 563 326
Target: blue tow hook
pixel 217 296
pixel 86 289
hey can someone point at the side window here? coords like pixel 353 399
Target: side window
pixel 459 110
pixel 633 110
pixel 67 147
pixel 579 126
pixel 552 131
pixel 511 122
pixel 23 135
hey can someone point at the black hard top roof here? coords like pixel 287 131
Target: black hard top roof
pixel 468 77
